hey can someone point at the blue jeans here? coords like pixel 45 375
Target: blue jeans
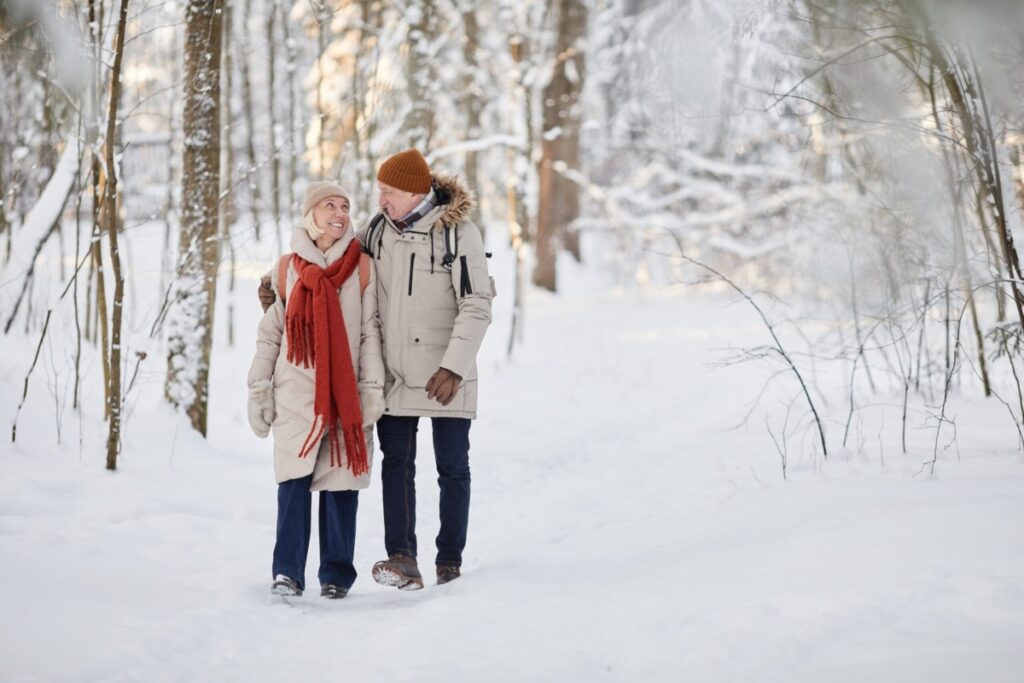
pixel 397 436
pixel 337 532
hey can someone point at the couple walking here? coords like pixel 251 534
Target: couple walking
pixel 379 328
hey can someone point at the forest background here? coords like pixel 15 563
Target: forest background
pixel 863 161
pixel 751 402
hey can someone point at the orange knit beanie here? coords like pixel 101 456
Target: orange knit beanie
pixel 407 171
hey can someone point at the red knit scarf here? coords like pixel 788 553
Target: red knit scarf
pixel 317 338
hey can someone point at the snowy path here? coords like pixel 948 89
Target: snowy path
pixel 619 532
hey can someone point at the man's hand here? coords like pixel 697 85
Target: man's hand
pixel 266 293
pixel 443 385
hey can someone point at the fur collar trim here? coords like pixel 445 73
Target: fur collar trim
pixel 454 200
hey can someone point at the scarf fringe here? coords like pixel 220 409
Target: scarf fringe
pixel 313 438
pixel 355 447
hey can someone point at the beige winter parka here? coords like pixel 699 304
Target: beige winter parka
pixel 294 385
pixel 431 316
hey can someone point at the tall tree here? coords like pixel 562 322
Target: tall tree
pixel 324 14
pixel 252 174
pixel 191 324
pixel 291 128
pixel 110 211
pixel 472 96
pixel 227 201
pixel 275 161
pixel 558 200
pixel 421 74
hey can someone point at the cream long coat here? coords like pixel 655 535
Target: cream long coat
pixel 428 318
pixel 294 385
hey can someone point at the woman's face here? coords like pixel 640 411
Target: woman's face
pixel 331 216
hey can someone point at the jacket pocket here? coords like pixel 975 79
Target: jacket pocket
pixel 425 347
pixel 412 269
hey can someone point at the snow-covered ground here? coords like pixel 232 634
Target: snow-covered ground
pixel 621 528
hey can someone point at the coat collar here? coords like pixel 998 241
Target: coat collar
pixel 454 204
pixel 305 247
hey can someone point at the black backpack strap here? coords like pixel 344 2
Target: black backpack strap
pixel 449 255
pixel 375 233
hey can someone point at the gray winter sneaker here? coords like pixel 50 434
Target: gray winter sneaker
pixel 399 571
pixel 284 585
pixel 333 591
pixel 447 573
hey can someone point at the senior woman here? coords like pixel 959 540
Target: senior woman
pixel 317 382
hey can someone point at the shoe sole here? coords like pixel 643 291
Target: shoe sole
pixel 389 577
pixel 285 591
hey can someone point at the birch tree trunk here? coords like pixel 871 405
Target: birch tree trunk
pixel 965 91
pixel 518 166
pixel 472 102
pixel 5 225
pixel 228 209
pixel 253 172
pixel 275 163
pixel 364 74
pixel 191 320
pixel 323 14
pixel 110 211
pixel 420 77
pixel 291 56
pixel 227 195
pixel 96 318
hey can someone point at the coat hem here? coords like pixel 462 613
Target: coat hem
pixel 466 414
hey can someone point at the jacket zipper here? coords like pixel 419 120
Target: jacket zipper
pixel 431 252
pixel 412 262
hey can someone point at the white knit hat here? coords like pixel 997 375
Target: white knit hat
pixel 318 191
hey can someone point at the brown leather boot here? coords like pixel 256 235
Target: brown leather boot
pixel 447 573
pixel 399 571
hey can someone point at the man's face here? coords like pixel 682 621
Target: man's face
pixel 396 203
pixel 331 216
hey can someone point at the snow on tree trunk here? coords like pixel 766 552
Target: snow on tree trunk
pixel 420 74
pixel 227 202
pixel 190 323
pixel 252 173
pixel 473 99
pixel 44 213
pixel 291 81
pixel 324 14
pixel 965 89
pixel 275 161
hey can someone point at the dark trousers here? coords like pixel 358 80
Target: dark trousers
pixel 397 436
pixel 337 532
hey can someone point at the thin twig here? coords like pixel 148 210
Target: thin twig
pixel 778 348
pixel 24 392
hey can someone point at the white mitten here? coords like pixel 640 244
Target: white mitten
pixel 261 406
pixel 371 402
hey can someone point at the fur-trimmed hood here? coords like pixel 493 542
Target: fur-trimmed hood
pixel 454 199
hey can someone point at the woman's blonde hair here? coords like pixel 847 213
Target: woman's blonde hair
pixel 310 225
